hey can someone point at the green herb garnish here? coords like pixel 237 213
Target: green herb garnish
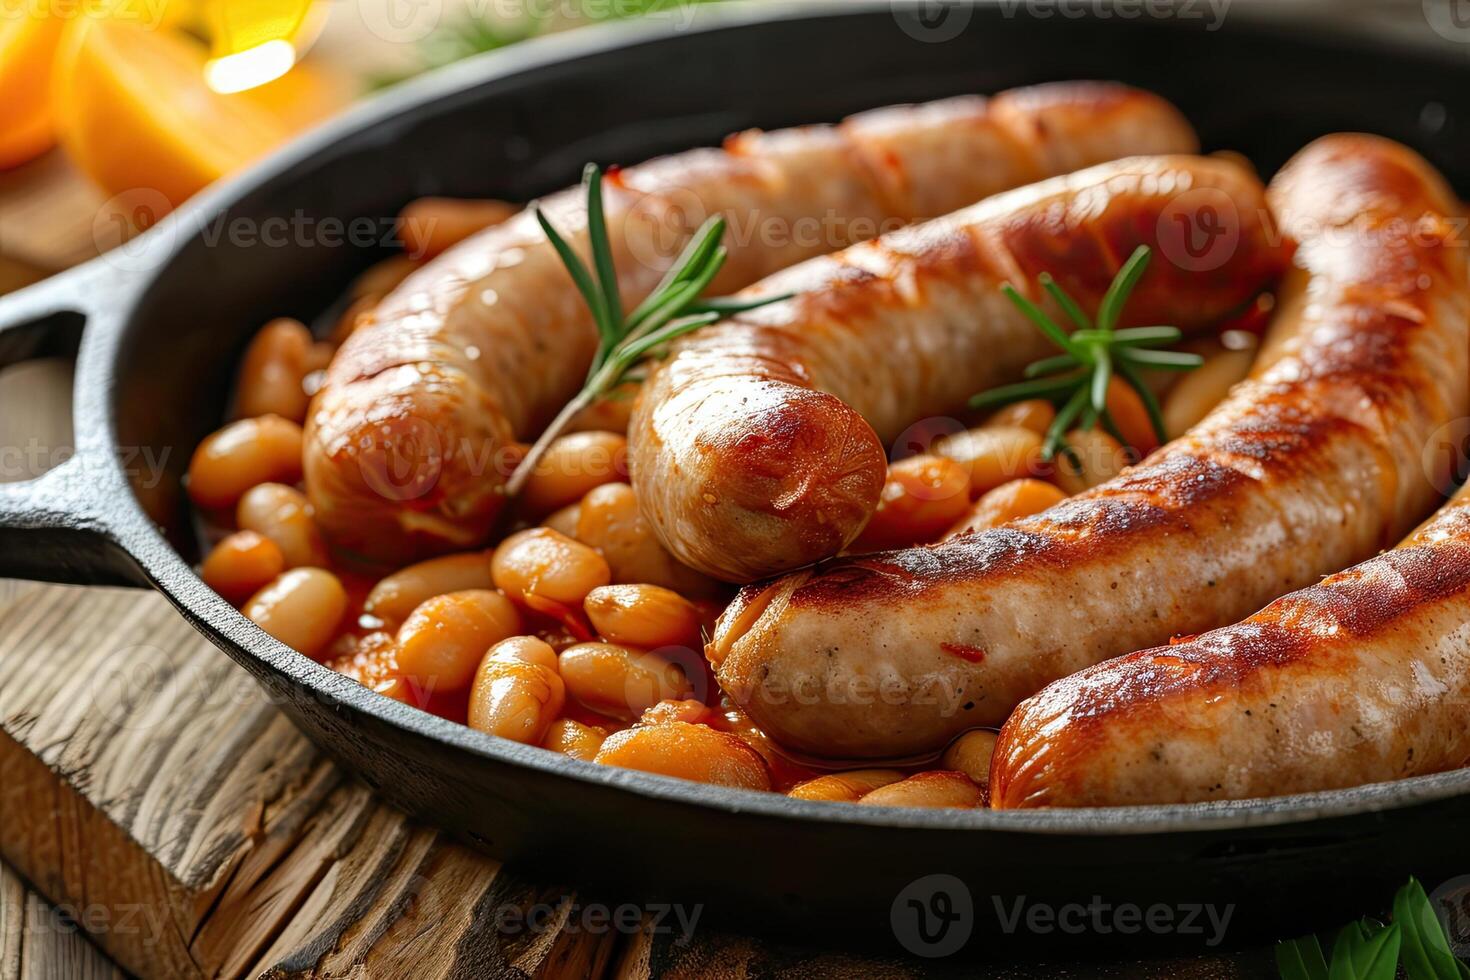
pixel 1301 959
pixel 1077 379
pixel 1369 950
pixel 1426 950
pixel 673 309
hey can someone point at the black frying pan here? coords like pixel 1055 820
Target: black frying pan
pixel 166 319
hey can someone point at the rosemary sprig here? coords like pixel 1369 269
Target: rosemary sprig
pixel 1369 950
pixel 1078 378
pixel 673 309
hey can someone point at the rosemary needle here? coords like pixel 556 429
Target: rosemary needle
pixel 1092 354
pixel 673 309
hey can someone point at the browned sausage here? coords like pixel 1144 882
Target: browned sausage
pixel 1317 461
pixel 1362 679
pixel 411 439
pixel 759 446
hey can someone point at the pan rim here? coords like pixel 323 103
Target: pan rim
pixel 96 420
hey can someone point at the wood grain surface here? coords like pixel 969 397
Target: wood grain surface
pixel 39 942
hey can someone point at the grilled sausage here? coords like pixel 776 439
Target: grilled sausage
pixel 759 446
pixel 1316 461
pixel 413 435
pixel 1362 679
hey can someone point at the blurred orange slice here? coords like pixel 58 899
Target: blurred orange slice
pixel 27 49
pixel 134 111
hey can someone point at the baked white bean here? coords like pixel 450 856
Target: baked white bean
pixel 271 373
pixel 525 650
pixel 1008 502
pixel 690 710
pixel 1036 414
pixel 845 787
pixel 1196 393
pixel 319 358
pixel 643 616
pixel 431 225
pixel 1126 409
pixel 994 454
pixel 382 277
pixel 242 454
pixel 442 642
pixel 399 594
pixel 934 789
pixel 284 515
pixel 610 521
pixel 241 565
pixel 574 465
pixel 357 313
pixel 922 497
pixel 302 608
pixel 688 752
pixel 517 693
pixel 574 739
pixel 620 681
pixel 564 521
pixel 1096 458
pixel 970 754
pixel 609 413
pixel 545 564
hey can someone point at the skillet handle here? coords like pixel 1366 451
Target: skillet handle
pixel 53 527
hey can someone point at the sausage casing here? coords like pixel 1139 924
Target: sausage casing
pixel 759 445
pixel 410 441
pixel 1330 451
pixel 1364 678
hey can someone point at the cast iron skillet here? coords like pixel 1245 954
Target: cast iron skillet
pixel 166 318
